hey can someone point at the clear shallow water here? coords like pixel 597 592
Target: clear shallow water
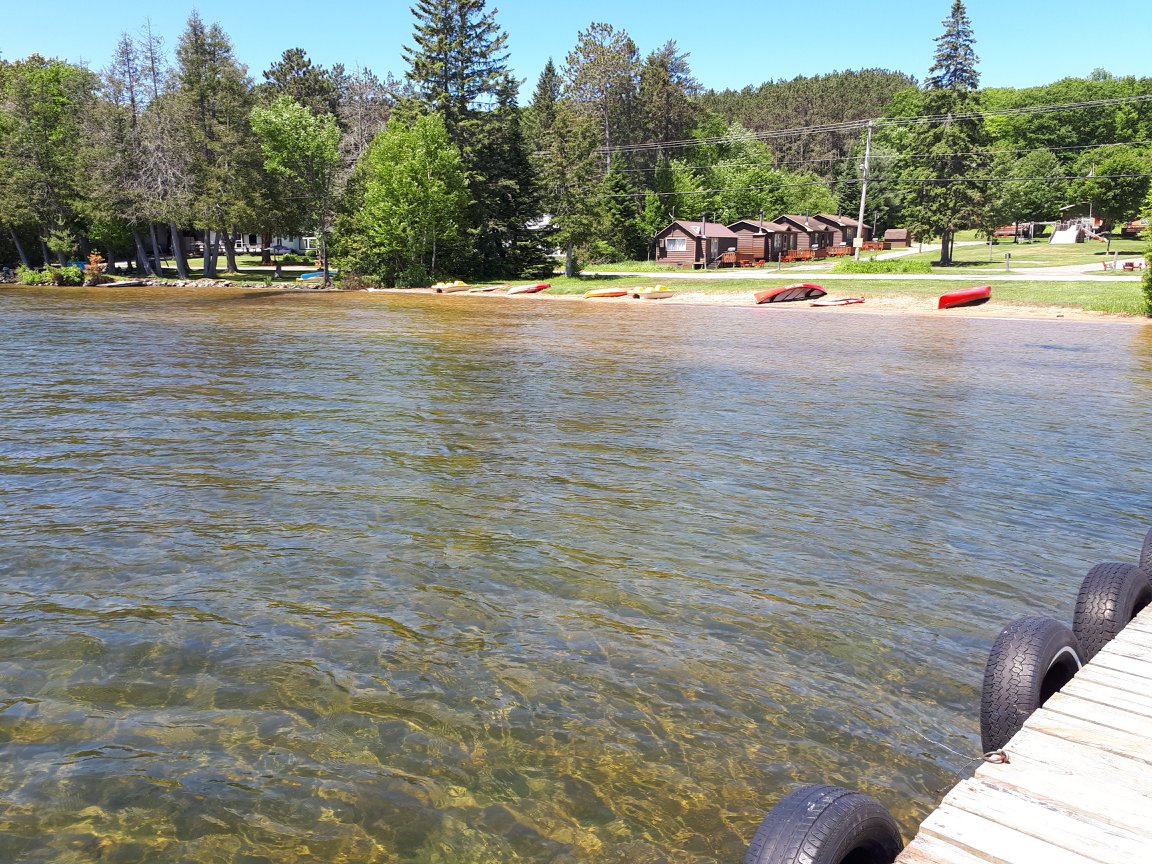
pixel 424 579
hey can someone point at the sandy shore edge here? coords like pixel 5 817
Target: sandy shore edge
pixel 895 305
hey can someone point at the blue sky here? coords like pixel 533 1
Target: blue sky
pixel 1020 44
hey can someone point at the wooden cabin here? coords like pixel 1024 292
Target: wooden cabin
pixel 845 229
pixel 813 237
pixel 758 240
pixel 897 238
pixel 694 244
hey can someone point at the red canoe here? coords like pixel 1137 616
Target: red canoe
pixel 796 291
pixel 965 297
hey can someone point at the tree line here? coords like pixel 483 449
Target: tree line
pixel 444 171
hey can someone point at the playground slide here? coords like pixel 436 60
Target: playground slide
pixel 1065 236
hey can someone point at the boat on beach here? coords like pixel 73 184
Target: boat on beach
pixel 795 291
pixel 597 293
pixel 450 287
pixel 965 297
pixel 656 292
pixel 529 289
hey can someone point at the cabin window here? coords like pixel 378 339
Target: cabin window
pixel 676 244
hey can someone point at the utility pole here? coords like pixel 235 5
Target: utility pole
pixel 863 194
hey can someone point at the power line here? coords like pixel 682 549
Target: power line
pixel 896 156
pixel 908 181
pixel 852 125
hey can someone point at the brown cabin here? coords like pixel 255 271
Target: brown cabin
pixel 813 238
pixel 694 244
pixel 845 229
pixel 898 237
pixel 758 240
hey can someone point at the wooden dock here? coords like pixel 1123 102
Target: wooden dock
pixel 1078 784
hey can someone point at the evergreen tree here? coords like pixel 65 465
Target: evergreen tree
pixel 667 91
pixel 540 115
pixel 602 75
pixel 943 195
pixel 459 71
pixel 566 158
pixel 620 229
pixel 314 87
pixel 215 97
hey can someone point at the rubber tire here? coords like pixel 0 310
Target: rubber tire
pixel 825 825
pixel 1109 598
pixel 1146 555
pixel 1030 660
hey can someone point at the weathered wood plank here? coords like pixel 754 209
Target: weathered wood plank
pixel 1109 659
pixel 1058 823
pixel 1111 803
pixel 1134 636
pixel 1083 687
pixel 1081 762
pixel 1113 680
pixel 990 839
pixel 1125 648
pixel 1080 731
pixel 927 849
pixel 1102 715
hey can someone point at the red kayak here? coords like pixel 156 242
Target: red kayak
pixel 965 297
pixel 796 291
pixel 530 289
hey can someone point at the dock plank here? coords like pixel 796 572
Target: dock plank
pixel 1059 823
pixel 1104 694
pixel 1108 716
pixel 1113 680
pixel 1078 783
pixel 994 841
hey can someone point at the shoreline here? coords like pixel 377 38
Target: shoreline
pixel 890 305
pixel 884 305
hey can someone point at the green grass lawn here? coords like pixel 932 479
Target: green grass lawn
pixel 1117 298
pixel 1042 254
pixel 653 267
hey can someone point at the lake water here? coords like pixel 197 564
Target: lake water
pixel 364 578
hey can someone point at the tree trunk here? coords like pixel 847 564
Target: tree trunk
pixel 19 247
pixel 141 256
pixel 44 251
pixel 946 247
pixel 265 248
pixel 211 238
pixel 230 252
pixel 178 252
pixel 157 264
pixel 569 261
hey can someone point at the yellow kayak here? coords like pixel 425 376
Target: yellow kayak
pixel 606 292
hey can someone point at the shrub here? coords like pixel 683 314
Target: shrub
pixel 94 269
pixel 895 265
pixel 66 275
pixel 294 258
pixel 30 276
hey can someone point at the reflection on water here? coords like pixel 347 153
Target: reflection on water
pixel 427 579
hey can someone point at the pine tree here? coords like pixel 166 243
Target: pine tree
pixel 943 196
pixel 459 70
pixel 602 74
pixel 215 98
pixel 667 92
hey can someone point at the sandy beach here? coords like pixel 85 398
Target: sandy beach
pixel 872 306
